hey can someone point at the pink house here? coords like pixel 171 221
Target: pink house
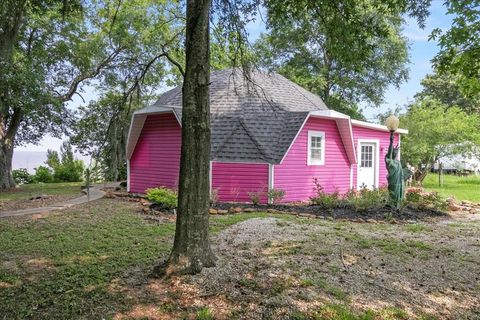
pixel 267 133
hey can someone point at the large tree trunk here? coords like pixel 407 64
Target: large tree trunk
pixel 6 155
pixel 191 249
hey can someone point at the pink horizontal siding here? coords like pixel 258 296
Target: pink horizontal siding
pixel 295 177
pixel 234 181
pixel 156 158
pixel 384 139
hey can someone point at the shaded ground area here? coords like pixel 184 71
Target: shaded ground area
pixel 93 262
pixel 19 198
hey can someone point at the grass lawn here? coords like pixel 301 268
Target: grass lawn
pixel 93 262
pixel 28 190
pixel 462 188
pixel 18 198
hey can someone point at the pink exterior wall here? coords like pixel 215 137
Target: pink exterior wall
pixel 235 180
pixel 156 158
pixel 384 139
pixel 296 177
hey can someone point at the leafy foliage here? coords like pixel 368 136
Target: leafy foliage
pixel 65 167
pixel 43 174
pixel 21 176
pixel 348 52
pixel 420 199
pixel 447 89
pixel 165 197
pixel 436 131
pixel 460 45
pixel 275 196
pixel 366 199
pixel 323 199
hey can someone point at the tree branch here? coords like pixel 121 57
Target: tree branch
pixel 80 78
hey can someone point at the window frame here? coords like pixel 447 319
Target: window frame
pixel 310 161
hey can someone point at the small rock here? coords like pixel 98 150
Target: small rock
pixel 360 220
pixel 145 210
pixel 320 217
pixel 454 207
pixel 249 210
pixel 212 211
pixel 222 211
pixel 237 210
pixel 372 221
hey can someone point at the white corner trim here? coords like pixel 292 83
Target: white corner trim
pixel 377 158
pixel 351 176
pixel 271 177
pixel 128 175
pixel 376 126
pixel 311 134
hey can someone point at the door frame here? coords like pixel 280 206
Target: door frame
pixel 376 159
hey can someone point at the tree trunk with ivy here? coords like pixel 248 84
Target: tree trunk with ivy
pixel 191 249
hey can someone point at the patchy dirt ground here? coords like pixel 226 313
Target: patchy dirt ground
pixel 272 268
pixel 94 261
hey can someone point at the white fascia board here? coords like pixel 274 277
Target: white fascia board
pixel 376 126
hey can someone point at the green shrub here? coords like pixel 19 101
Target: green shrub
pixel 71 171
pixel 255 197
pixel 21 176
pixel 323 199
pixel 43 174
pixel 165 197
pixel 418 198
pixel 275 195
pixel 366 199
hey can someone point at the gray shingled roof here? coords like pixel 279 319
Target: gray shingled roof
pixel 252 121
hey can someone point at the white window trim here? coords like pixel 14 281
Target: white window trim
pixel 311 134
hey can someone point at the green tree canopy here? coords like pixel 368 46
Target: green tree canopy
pixel 347 52
pixel 435 131
pixel 460 45
pixel 447 88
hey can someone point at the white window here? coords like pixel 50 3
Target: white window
pixel 316 148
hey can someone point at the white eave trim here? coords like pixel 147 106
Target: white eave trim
pixel 376 126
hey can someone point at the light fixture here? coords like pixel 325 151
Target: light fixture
pixel 392 123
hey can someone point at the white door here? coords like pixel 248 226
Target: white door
pixel 367 165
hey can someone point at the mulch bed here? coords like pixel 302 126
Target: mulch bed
pixel 408 213
pixel 383 214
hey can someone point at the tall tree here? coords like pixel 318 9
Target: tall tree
pixel 348 53
pixel 436 131
pixel 155 32
pixel 47 49
pixel 447 88
pixel 460 45
pixel 191 249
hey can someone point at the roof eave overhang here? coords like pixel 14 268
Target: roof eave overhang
pixel 376 126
